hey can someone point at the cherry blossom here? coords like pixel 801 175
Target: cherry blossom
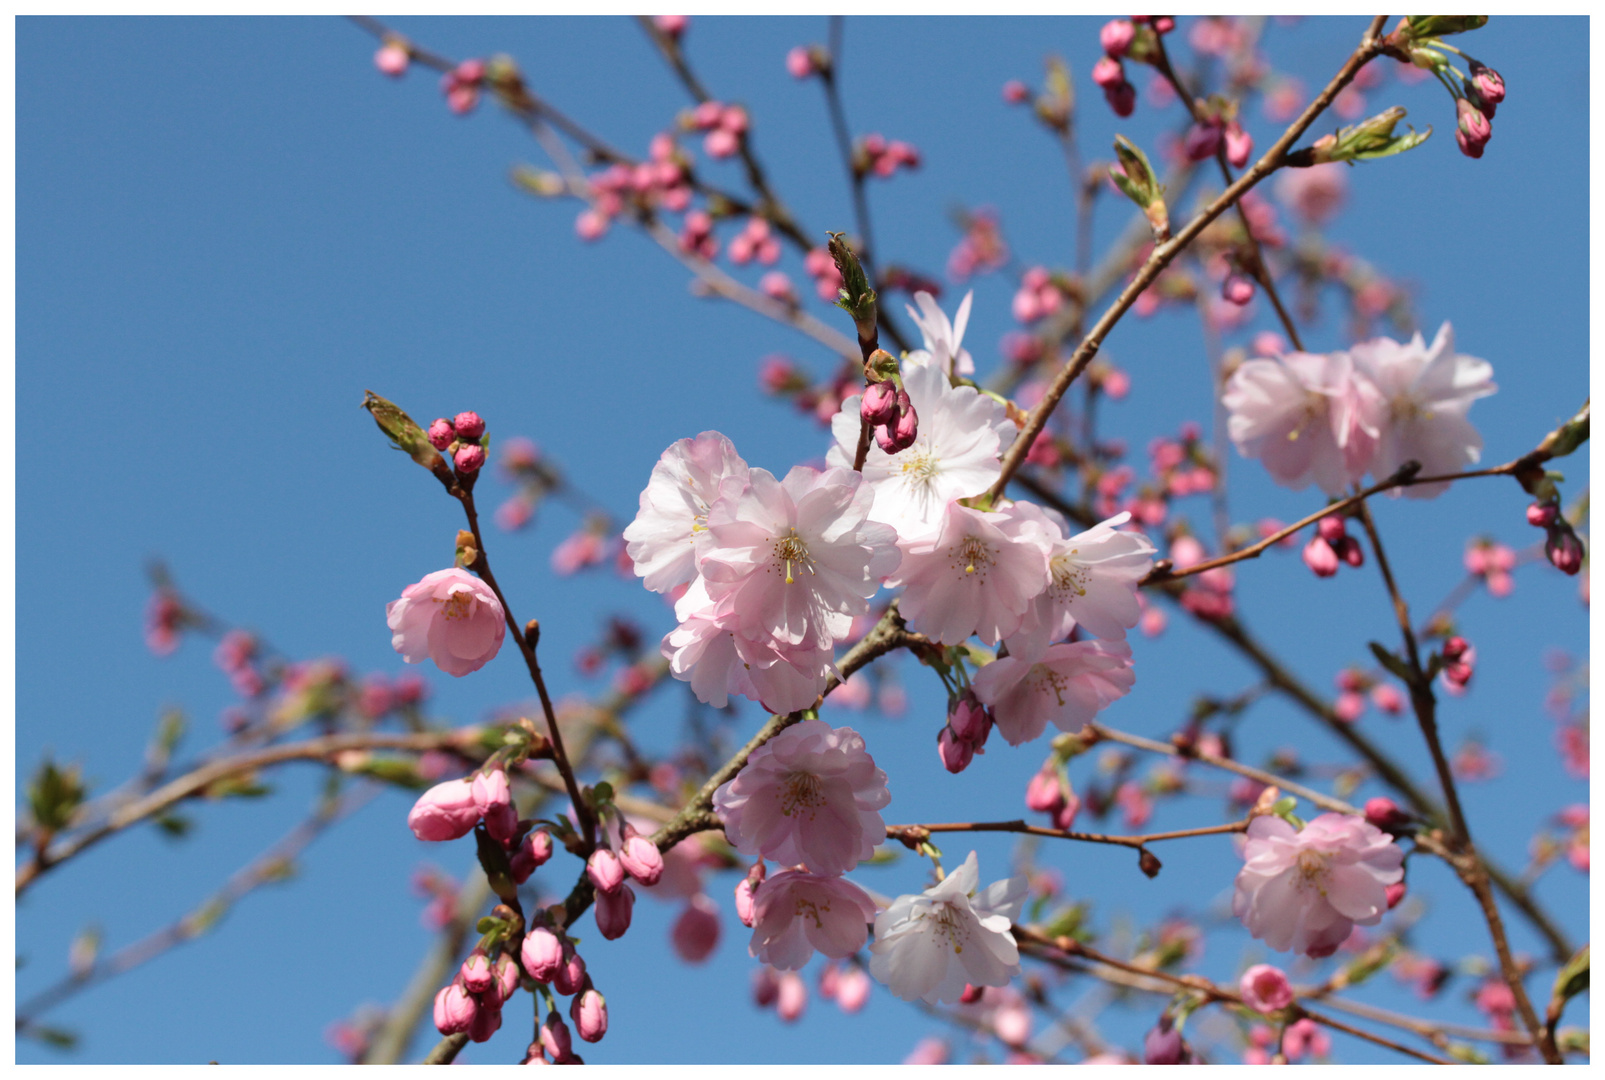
pixel 810 795
pixel 943 340
pixel 1068 685
pixel 451 617
pixel 1427 391
pixel 674 507
pixel 1304 890
pixel 1092 581
pixel 955 455
pixel 704 651
pixel 931 945
pixel 796 912
pixel 1306 417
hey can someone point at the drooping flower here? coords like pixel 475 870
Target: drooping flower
pixel 976 574
pixel 931 945
pixel 1068 685
pixel 685 482
pixel 1305 890
pixel 1307 417
pixel 1092 581
pixel 451 617
pixel 943 340
pixel 1426 391
pixel 796 912
pixel 795 560
pixel 955 454
pixel 810 795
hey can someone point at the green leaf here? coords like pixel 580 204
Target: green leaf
pixel 54 794
pixel 487 925
pixel 1570 981
pixel 1283 809
pixel 60 1038
pixel 1569 436
pixel 174 824
pixel 1391 662
pixel 1425 26
pixel 402 429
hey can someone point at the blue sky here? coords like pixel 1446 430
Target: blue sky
pixel 227 229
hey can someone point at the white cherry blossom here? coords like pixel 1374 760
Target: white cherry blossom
pixel 1092 582
pixel 674 507
pixel 943 339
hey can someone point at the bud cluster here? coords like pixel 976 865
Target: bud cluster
pixel 1331 545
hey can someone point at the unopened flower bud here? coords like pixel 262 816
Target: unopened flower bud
pixel 879 403
pixel 1239 145
pixel 792 998
pixel 1472 130
pixel 1489 83
pixel 1016 92
pixel 956 754
pixel 1122 98
pixel 454 1009
pixel 1395 893
pixel 1348 549
pixel 971 994
pixel 477 974
pixel 1116 37
pixel 570 975
pixel 1542 514
pixel 531 854
pixel 642 860
pixel 1331 529
pixel 1201 141
pixel 469 426
pixel 555 1037
pixel 589 1013
pixel 1043 794
pixel 1563 548
pixel 765 987
pixel 1320 557
pixel 1454 648
pixel 1108 73
pixel 613 911
pixel 605 870
pixel 799 63
pixel 542 954
pixel 906 428
pixel 506 976
pixel 1385 814
pixel 746 906
pixel 695 934
pixel 392 59
pixel 469 459
pixel 442 434
pixel 1237 289
pixel 1163 1045
pixel 970 720
pixel 444 812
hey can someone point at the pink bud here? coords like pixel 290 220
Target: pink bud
pixel 487 1021
pixel 1331 529
pixel 469 72
pixel 1108 73
pixel 1043 793
pixel 1122 98
pixel 1015 92
pixel 454 1009
pixel 1116 37
pixel 1319 556
pixel 799 63
pixel 1472 130
pixel 971 994
pixel 956 754
pixel 642 860
pixel 852 990
pixel 879 403
pixel 1348 707
pixel 1269 343
pixel 695 933
pixel 1027 306
pixel 570 975
pixel 1455 647
pixel 1237 289
pixel 1489 83
pixel 1387 697
pixel 613 911
pixel 970 721
pixel 444 812
pixel 392 59
pixel 477 975
pixel 734 120
pixel 442 434
pixel 1162 24
pixel 1563 548
pixel 531 854
pixel 1395 893
pixel 506 976
pixel 604 870
pixel 792 998
pixel 542 954
pixel 906 429
pixel 672 25
pixel 469 459
pixel 501 823
pixel 1239 145
pixel 1348 549
pixel 1065 817
pixel 1385 814
pixel 490 790
pixel 720 143
pixel 589 1013
pixel 555 1037
pixel 469 426
pixel 765 987
pixel 1201 141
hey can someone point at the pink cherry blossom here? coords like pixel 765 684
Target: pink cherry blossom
pixel 1305 890
pixel 796 913
pixel 1307 417
pixel 1426 391
pixel 695 933
pixel 976 575
pixel 445 812
pixel 944 347
pixel 1068 685
pixel 1316 193
pixel 717 662
pixel 1092 583
pixel 451 617
pixel 685 482
pixel 1265 988
pixel 810 795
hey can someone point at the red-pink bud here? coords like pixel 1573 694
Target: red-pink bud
pixel 506 976
pixel 1348 549
pixel 1201 141
pixel 1122 98
pixel 1237 289
pixel 1348 707
pixel 477 974
pixel 1043 793
pixel 970 721
pixel 879 403
pixel 746 905
pixel 695 933
pixel 570 975
pixel 613 911
pixel 1319 556
pixel 487 1021
pixel 1239 145
pixel 641 858
pixel 392 59
pixel 956 754
pixel 672 25
pixel 1331 529
pixel 469 72
pixel 1108 73
pixel 442 434
pixel 852 990
pixel 605 870
pixel 555 1037
pixel 1454 648
pixel 799 63
pixel 531 854
pixel 765 987
pixel 1472 130
pixel 542 954
pixel 589 1013
pixel 1563 548
pixel 1116 37
pixel 462 99
pixel 1387 697
pixel 469 459
pixel 1162 24
pixel 734 120
pixel 1542 515
pixel 971 994
pixel 444 812
pixel 1065 817
pixel 1385 814
pixel 491 790
pixel 469 426
pixel 1489 83
pixel 906 428
pixel 1395 893
pixel 454 1009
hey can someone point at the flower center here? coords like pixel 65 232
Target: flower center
pixel 790 549
pixel 807 909
pixel 973 555
pixel 921 464
pixel 1313 870
pixel 800 792
pixel 1047 680
pixel 459 605
pixel 1069 578
pixel 948 927
pixel 1315 406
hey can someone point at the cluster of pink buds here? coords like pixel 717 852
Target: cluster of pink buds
pixel 1493 563
pixel 236 655
pixel 1209 594
pixel 551 960
pixel 965 733
pixel 1474 112
pixel 1038 296
pixel 1110 75
pixel 1182 465
pixel 164 618
pixel 1049 792
pixel 460 437
pixel 450 811
pixel 756 241
pixel 1458 660
pixel 725 125
pixel 638 858
pixel 981 249
pixel 472 1002
pixel 822 268
pixel 461 86
pixel 392 57
pixel 1330 546
pixel 783 990
pixel 882 157
pixel 887 408
pixel 1561 545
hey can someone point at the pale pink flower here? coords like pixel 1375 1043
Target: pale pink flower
pixel 1314 194
pixel 695 933
pixel 791 996
pixel 955 454
pixel 794 560
pixel 451 617
pixel 1307 417
pixel 796 912
pixel 1427 391
pixel 1305 1036
pixel 1305 890
pixel 852 990
pixel 1092 582
pixel 1068 685
pixel 810 795
pixel 674 507
pixel 1265 988
pixel 955 934
pixel 976 574
pixel 944 347
pixel 717 663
